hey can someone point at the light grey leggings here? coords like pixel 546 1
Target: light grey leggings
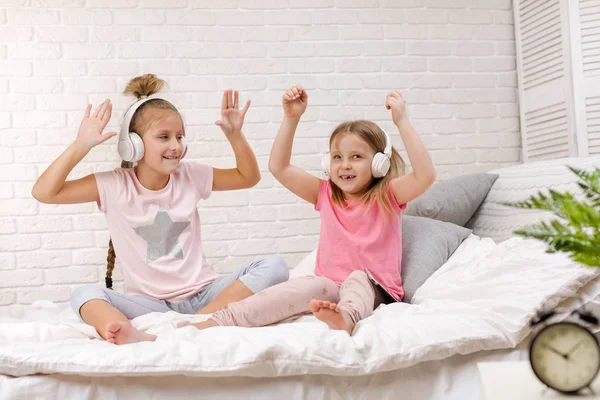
pixel 257 275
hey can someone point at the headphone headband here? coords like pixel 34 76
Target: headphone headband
pixel 128 116
pixel 388 145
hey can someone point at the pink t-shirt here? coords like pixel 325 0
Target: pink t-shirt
pixel 156 233
pixel 360 237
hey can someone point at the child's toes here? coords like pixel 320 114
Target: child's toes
pixel 314 305
pixel 332 306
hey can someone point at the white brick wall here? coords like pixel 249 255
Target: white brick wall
pixel 454 61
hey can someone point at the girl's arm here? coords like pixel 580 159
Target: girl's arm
pixel 298 181
pixel 51 186
pixel 246 174
pixel 411 186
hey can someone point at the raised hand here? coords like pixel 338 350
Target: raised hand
pixel 232 118
pixel 294 101
pixel 395 101
pixel 91 127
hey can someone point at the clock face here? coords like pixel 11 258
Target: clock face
pixel 565 356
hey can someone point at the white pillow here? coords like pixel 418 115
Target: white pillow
pixel 305 267
pixel 497 221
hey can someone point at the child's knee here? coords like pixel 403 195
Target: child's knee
pixel 358 275
pixel 326 289
pixel 86 293
pixel 278 269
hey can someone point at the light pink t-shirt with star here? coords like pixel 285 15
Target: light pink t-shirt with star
pixel 156 233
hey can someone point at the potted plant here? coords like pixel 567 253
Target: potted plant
pixel 576 231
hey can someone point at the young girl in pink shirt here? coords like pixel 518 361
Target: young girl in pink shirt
pixel 152 216
pixel 360 246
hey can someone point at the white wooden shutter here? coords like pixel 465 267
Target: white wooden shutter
pixel 545 106
pixel 589 12
pixel 558 59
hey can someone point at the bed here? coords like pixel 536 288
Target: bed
pixel 475 307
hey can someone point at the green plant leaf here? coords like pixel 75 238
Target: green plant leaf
pixel 577 231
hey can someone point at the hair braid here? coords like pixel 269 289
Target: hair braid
pixel 111 257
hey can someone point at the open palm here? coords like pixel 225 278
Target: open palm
pixel 232 118
pixel 91 127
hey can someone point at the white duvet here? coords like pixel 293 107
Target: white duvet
pixel 481 299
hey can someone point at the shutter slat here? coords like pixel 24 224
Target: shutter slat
pixel 529 6
pixel 550 153
pixel 559 142
pixel 592 114
pixel 546 114
pixel 538 16
pixel 544 42
pixel 543 63
pixel 547 128
pixel 547 77
pixel 558 133
pixel 549 23
pixel 543 53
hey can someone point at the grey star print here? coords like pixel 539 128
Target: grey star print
pixel 162 236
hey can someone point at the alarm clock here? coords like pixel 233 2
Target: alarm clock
pixel 565 356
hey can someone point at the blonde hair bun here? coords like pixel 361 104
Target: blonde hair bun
pixel 144 86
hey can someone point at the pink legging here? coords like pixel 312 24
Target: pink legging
pixel 289 300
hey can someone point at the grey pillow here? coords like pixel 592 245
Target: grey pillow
pixel 453 200
pixel 426 245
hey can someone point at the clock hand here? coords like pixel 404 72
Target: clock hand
pixel 552 349
pixel 574 348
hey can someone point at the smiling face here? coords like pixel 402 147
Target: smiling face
pixel 350 168
pixel 162 135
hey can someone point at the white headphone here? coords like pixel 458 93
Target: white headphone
pixel 379 166
pixel 130 145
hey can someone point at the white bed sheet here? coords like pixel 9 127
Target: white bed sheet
pixel 482 299
pixel 454 378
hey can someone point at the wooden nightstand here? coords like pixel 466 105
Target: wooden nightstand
pixel 514 380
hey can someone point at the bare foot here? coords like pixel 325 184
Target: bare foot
pixel 123 332
pixel 332 315
pixel 209 323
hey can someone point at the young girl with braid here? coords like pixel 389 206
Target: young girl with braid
pixel 360 246
pixel 152 216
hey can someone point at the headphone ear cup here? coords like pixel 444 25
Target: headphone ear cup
pixel 138 147
pixel 184 145
pixel 125 150
pixel 385 167
pixel 326 163
pixel 380 165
